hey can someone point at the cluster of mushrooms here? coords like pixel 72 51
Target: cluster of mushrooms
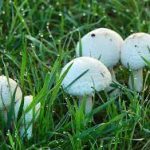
pixel 11 94
pixel 92 71
pixel 97 53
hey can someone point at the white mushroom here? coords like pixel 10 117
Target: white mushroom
pixel 9 91
pixel 135 48
pixel 102 44
pixel 85 76
pixel 27 120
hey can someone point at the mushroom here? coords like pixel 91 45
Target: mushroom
pixel 134 49
pixel 9 90
pixel 85 76
pixel 27 120
pixel 103 44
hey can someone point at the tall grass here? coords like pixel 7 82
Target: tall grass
pixel 36 39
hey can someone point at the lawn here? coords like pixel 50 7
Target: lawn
pixel 37 38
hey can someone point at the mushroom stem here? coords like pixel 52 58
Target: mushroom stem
pixel 108 89
pixel 136 80
pixel 112 74
pixel 26 131
pixel 88 104
pixel 5 115
pixel 115 92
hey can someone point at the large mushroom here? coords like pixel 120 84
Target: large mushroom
pixel 103 44
pixel 9 92
pixel 134 50
pixel 27 120
pixel 85 76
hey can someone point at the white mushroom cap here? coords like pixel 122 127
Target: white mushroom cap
pixel 29 115
pixel 96 77
pixel 134 48
pixel 103 44
pixel 8 87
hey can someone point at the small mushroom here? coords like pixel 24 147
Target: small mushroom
pixel 9 90
pixel 28 118
pixel 85 76
pixel 103 44
pixel 134 49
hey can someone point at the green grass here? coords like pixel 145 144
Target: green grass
pixel 37 38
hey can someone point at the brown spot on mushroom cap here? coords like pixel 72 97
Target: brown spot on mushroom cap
pixel 92 35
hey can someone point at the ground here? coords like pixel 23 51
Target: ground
pixel 37 38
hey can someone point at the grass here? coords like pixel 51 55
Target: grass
pixel 36 39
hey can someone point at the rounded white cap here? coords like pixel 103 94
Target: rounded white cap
pixel 29 115
pixel 89 75
pixel 8 87
pixel 102 44
pixel 134 48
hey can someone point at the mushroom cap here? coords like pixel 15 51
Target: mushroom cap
pixel 8 87
pixel 89 75
pixel 29 115
pixel 102 44
pixel 134 48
